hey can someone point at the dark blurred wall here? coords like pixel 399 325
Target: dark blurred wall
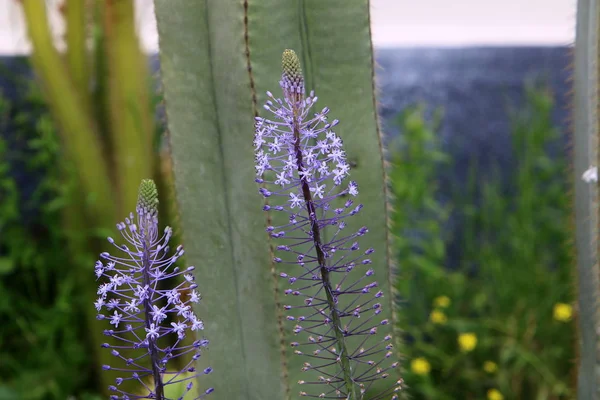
pixel 473 86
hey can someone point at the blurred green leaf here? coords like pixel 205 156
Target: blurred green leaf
pixel 7 265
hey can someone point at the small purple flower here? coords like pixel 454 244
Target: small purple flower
pixel 302 168
pixel 145 317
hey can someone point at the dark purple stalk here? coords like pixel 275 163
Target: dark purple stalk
pixel 152 347
pixel 316 235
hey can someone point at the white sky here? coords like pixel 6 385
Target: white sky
pixel 472 22
pixel 406 23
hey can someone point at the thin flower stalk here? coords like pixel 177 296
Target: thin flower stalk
pixel 148 320
pixel 302 169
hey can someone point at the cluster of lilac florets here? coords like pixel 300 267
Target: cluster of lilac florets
pixel 148 321
pixel 322 162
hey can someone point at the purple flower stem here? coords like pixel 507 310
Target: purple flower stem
pixel 152 347
pixel 316 236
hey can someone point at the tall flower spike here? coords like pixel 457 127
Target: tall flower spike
pixel 333 302
pixel 147 319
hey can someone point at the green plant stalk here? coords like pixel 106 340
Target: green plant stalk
pixel 87 152
pixel 585 152
pixel 214 81
pixel 101 105
pixel 325 275
pixel 132 126
pixel 77 127
pixel 77 54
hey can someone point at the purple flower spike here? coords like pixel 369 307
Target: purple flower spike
pixel 333 303
pixel 147 321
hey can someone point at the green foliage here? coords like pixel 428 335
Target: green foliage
pixel 418 216
pixel 497 325
pixel 42 353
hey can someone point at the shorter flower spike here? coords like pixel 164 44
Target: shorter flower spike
pixel 147 318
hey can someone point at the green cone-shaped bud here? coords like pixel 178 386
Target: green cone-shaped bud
pixel 291 65
pixel 292 77
pixel 148 196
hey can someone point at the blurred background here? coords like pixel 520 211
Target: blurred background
pixel 474 101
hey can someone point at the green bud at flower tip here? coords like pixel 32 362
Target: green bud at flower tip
pixel 290 63
pixel 292 77
pixel 148 196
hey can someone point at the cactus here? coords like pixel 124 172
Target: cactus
pixel 585 152
pixel 217 61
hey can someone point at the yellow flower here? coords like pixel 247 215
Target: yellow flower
pixel 438 317
pixel 490 367
pixel 494 394
pixel 442 301
pixel 563 312
pixel 420 366
pixel 467 341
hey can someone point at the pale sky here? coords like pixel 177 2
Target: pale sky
pixel 472 22
pixel 396 23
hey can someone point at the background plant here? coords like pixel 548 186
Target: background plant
pixel 498 324
pixel 37 284
pixel 106 141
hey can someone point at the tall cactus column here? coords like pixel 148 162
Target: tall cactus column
pixel 218 58
pixel 585 120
